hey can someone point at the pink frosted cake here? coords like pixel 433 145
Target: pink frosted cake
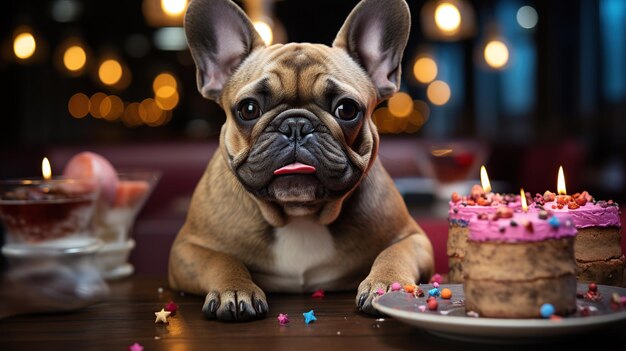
pixel 462 210
pixel 597 247
pixel 518 262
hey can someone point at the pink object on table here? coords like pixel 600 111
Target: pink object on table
pixel 88 164
pixel 283 319
pixel 318 293
pixel 129 192
pixel 171 306
pixel 436 278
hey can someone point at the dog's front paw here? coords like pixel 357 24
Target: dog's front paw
pixel 243 303
pixel 369 289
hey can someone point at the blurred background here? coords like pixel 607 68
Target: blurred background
pixel 520 86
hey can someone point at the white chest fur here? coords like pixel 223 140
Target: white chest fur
pixel 303 254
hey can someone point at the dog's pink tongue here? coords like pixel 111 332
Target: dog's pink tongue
pixel 295 167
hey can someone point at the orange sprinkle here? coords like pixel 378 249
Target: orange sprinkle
pixel 410 288
pixel 572 205
pixel 446 293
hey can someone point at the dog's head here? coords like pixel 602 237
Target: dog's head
pixel 298 133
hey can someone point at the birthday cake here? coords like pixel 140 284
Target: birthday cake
pixel 461 211
pixel 518 262
pixel 597 247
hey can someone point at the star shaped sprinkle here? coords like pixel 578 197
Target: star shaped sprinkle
pixel 283 319
pixel 318 293
pixel 171 306
pixel 135 347
pixel 161 316
pixel 309 317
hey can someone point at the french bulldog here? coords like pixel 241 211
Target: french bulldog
pixel 295 199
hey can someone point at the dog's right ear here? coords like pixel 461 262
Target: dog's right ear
pixel 220 36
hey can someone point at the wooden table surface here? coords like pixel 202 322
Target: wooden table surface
pixel 127 316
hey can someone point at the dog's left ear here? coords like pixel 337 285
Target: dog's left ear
pixel 375 35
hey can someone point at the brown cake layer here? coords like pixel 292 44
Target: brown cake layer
pixel 521 261
pixel 520 298
pixel 597 244
pixel 455 249
pixel 457 240
pixel 455 273
pixel 606 272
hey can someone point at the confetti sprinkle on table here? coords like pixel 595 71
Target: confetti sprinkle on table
pixel 161 316
pixel 309 317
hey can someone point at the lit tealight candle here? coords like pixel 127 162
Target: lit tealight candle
pixel 46 170
pixel 41 209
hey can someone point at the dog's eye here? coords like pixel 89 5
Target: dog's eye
pixel 347 110
pixel 249 110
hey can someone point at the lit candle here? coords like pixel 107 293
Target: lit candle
pixel 560 182
pixel 46 170
pixel 40 209
pixel 523 200
pixel 484 179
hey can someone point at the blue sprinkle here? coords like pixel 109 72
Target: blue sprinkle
pixel 309 317
pixel 434 292
pixel 554 222
pixel 546 310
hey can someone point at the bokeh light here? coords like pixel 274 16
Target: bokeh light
pixel 149 112
pixel 165 90
pixel 447 17
pixel 496 54
pixel 265 31
pixel 74 58
pixel 94 104
pixel 438 92
pixel 166 102
pixel 400 104
pixel 66 10
pixel 164 79
pixel 131 118
pixel 110 72
pixel 173 8
pixel 418 116
pixel 383 120
pixel 425 70
pixel 527 17
pixel 24 45
pixel 111 108
pixel 78 105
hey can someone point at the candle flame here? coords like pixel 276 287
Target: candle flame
pixel 560 184
pixel 484 179
pixel 46 169
pixel 523 199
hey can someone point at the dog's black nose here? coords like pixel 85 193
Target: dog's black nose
pixel 296 128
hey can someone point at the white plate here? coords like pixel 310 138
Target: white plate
pixel 451 320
